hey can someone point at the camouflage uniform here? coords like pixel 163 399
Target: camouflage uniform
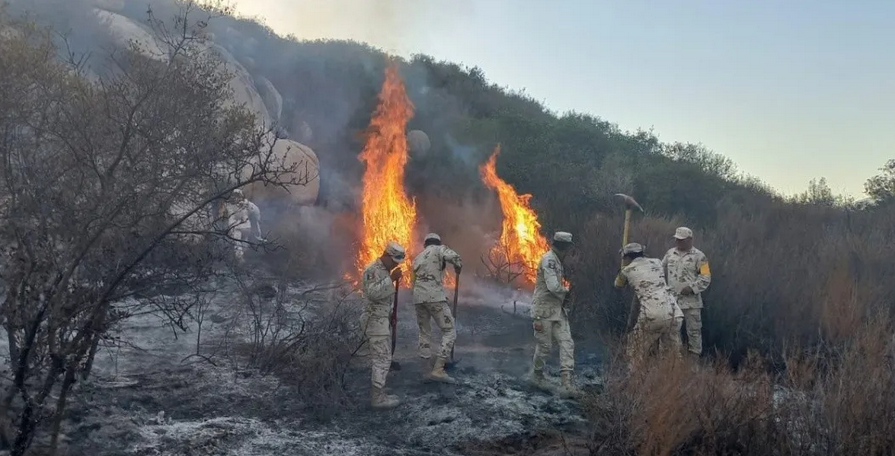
pixel 659 318
pixel 379 290
pixel 688 269
pixel 430 299
pixel 551 317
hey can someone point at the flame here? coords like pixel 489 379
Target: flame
pixel 520 238
pixel 388 214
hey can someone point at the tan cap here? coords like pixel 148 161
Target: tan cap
pixel 631 248
pixel 683 233
pixel 394 250
pixel 432 236
pixel 562 236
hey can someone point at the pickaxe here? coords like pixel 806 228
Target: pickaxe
pixel 630 204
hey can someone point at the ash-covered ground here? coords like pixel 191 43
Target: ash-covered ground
pixel 149 397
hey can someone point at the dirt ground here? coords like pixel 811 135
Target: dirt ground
pixel 147 399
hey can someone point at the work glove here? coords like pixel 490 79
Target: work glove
pixel 397 274
pixel 457 269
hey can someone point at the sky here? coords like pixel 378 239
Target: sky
pixel 789 90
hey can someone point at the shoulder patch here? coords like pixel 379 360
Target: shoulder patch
pixel 704 269
pixel 370 275
pixel 551 264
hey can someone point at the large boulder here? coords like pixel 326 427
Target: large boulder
pixel 271 97
pixel 125 31
pixel 306 174
pixel 418 143
pixel 243 85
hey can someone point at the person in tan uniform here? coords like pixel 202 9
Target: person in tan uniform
pixel 379 279
pixel 688 274
pixel 430 301
pixel 243 220
pixel 551 318
pixel 658 317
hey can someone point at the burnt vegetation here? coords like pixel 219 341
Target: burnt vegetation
pixel 108 185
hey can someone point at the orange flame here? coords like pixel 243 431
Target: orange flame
pixel 388 215
pixel 520 238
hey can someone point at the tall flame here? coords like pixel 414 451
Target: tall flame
pixel 520 238
pixel 388 214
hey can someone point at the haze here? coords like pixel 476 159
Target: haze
pixel 789 90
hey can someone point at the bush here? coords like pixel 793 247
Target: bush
pixel 839 401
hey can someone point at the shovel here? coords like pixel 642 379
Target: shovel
pixel 453 363
pixel 394 325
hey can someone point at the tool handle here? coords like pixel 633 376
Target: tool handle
pixel 626 230
pixel 394 318
pixel 456 294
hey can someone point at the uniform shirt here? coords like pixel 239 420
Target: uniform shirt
pixel 687 269
pixel 379 291
pixel 647 279
pixel 549 291
pixel 428 273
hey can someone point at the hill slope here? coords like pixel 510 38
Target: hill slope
pixel 763 248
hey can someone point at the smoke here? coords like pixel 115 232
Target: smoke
pixel 324 93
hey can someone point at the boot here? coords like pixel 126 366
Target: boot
pixel 568 390
pixel 380 400
pixel 538 381
pixel 438 373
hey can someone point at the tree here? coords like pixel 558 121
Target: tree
pixel 820 194
pixel 882 187
pixel 108 187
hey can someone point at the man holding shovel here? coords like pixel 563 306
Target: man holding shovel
pixel 430 302
pixel 379 287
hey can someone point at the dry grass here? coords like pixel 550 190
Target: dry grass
pixel 840 401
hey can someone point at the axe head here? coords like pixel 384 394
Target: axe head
pixel 630 203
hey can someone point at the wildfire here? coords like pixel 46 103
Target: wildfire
pixel 520 238
pixel 388 214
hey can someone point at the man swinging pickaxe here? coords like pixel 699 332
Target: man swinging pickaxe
pixel 630 205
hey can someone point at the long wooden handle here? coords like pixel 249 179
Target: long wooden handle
pixel 456 294
pixel 394 319
pixel 627 228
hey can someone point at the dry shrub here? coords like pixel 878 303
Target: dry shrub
pixel 307 339
pixel 835 401
pixel 843 401
pixel 669 406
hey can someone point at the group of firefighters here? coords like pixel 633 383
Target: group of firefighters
pixel 669 293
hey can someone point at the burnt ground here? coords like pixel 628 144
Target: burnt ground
pixel 147 400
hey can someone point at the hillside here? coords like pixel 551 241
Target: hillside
pixel 323 94
pixel 792 278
